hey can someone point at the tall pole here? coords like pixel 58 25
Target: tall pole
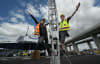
pixel 54 31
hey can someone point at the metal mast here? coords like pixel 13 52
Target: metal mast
pixel 54 31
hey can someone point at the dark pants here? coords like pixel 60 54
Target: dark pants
pixel 43 39
pixel 43 43
pixel 63 35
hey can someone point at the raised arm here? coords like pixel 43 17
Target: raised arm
pixel 77 7
pixel 32 17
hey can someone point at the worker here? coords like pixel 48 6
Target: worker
pixel 64 27
pixel 41 31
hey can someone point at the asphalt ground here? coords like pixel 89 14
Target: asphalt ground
pixel 89 59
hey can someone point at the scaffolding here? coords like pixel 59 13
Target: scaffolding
pixel 54 31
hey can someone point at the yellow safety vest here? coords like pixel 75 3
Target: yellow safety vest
pixel 64 25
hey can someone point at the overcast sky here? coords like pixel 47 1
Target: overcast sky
pixel 86 17
pixel 14 20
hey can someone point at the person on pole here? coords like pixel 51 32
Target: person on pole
pixel 41 31
pixel 64 27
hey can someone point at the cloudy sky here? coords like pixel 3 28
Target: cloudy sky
pixel 86 17
pixel 14 20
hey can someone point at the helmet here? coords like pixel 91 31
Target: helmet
pixel 62 15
